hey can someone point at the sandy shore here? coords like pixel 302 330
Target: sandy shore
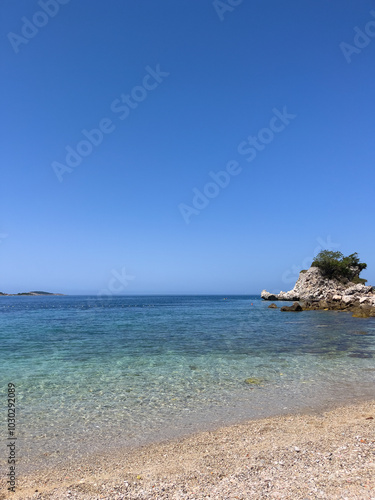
pixel 328 455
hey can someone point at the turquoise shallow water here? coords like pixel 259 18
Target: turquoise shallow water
pixel 92 373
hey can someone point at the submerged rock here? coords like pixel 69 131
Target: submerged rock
pixel 272 306
pixel 253 381
pixel 361 355
pixel 363 311
pixel 296 307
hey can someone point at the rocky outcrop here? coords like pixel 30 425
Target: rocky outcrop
pixel 28 293
pixel 268 296
pixel 318 292
pixel 296 307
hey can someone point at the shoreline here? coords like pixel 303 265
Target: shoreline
pixel 31 294
pixel 320 453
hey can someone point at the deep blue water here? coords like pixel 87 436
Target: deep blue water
pixel 133 368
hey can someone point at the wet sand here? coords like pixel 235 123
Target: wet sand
pixel 320 455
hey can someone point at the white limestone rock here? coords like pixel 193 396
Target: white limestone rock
pixel 312 285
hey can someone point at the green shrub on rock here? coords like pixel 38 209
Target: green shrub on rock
pixel 335 265
pixel 359 281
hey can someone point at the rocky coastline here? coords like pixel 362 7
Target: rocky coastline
pixel 313 291
pixel 28 293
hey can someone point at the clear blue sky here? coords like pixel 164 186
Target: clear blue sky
pixel 218 79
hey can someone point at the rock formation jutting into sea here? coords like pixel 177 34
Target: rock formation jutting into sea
pixel 316 291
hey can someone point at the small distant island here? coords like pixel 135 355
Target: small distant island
pixel 28 293
pixel 333 284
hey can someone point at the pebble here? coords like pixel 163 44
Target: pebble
pixel 243 461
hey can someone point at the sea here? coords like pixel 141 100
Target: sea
pixel 93 374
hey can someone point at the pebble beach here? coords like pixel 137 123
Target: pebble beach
pixel 319 455
pixel 187 293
